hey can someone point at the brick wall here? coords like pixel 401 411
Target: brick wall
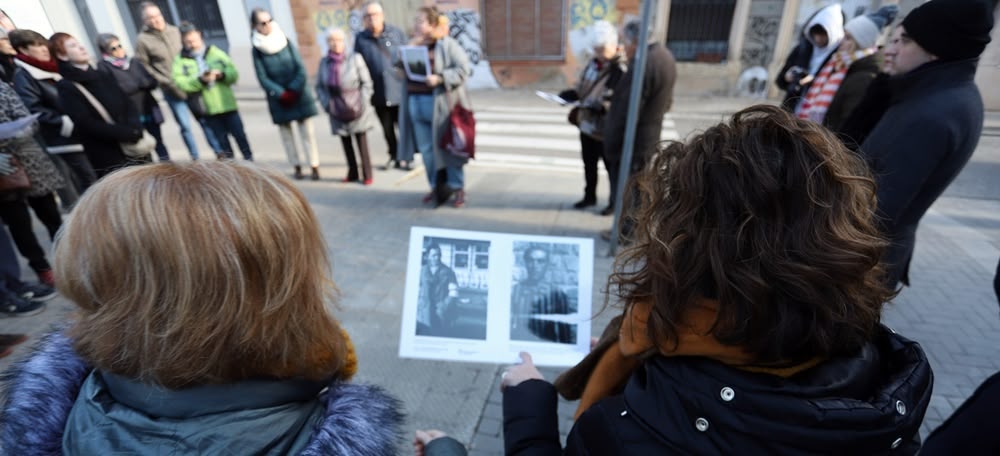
pixel 302 14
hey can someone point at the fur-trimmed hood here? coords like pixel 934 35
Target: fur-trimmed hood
pixel 42 389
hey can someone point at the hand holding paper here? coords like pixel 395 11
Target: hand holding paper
pixel 520 373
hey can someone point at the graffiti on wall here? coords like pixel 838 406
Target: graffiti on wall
pixel 342 14
pixel 583 14
pixel 758 46
pixel 465 27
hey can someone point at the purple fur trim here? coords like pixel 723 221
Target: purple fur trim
pixel 360 420
pixel 40 391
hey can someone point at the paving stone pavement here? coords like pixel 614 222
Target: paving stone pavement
pixel 950 309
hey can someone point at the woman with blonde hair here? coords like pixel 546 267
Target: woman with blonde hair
pixel 191 338
pixel 423 114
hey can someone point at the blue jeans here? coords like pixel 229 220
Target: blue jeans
pixel 226 125
pixel 421 109
pixel 183 116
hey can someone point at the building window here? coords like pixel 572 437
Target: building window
pixel 524 29
pixel 699 30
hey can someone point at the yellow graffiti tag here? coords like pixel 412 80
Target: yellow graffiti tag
pixel 327 19
pixel 583 13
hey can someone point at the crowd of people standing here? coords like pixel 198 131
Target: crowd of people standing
pixel 94 115
pixel 721 337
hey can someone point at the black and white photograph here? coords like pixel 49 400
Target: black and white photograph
pixel 416 62
pixel 453 291
pixel 544 292
pixel 480 296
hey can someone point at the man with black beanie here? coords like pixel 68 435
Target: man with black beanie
pixel 934 119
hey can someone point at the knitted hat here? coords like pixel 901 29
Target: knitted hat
pixel 951 29
pixel 866 29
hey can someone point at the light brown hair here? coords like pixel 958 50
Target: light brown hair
pixel 432 14
pixel 773 217
pixel 199 273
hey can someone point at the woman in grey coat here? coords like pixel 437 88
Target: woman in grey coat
pixel 283 76
pixel 423 114
pixel 344 88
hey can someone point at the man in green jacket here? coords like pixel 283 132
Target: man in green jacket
pixel 206 74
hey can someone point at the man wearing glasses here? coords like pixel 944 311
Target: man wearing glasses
pixel 377 44
pixel 158 45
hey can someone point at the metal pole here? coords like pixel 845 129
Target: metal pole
pixel 637 68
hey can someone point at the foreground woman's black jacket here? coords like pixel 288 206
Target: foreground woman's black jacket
pixel 871 403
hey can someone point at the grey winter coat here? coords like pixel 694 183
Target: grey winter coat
pixel 353 75
pixel 452 64
pixel 919 146
pixel 42 173
pixel 87 412
pixel 282 71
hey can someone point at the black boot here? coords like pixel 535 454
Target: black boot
pixel 298 172
pixel 315 173
pixel 587 201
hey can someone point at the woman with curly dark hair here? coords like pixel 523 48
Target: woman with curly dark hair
pixel 752 298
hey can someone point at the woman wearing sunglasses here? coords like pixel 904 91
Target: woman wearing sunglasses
pixel 137 83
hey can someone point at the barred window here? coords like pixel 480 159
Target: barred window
pixel 524 29
pixel 699 29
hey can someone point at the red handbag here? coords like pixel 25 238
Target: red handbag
pixel 459 137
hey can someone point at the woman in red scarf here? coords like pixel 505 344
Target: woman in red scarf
pixel 841 83
pixel 35 82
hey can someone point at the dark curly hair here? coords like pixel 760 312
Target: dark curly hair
pixel 773 217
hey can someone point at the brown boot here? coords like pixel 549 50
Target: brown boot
pixel 298 172
pixel 315 173
pixel 459 198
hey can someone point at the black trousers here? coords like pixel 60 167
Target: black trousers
pixel 388 116
pixel 592 151
pixel 83 174
pixel 16 216
pixel 352 162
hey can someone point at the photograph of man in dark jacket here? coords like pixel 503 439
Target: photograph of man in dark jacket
pixel 934 119
pixel 377 43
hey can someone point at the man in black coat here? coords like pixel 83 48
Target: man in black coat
pixel 377 44
pixel 934 119
pixel 657 96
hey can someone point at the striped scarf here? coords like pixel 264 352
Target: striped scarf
pixel 826 84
